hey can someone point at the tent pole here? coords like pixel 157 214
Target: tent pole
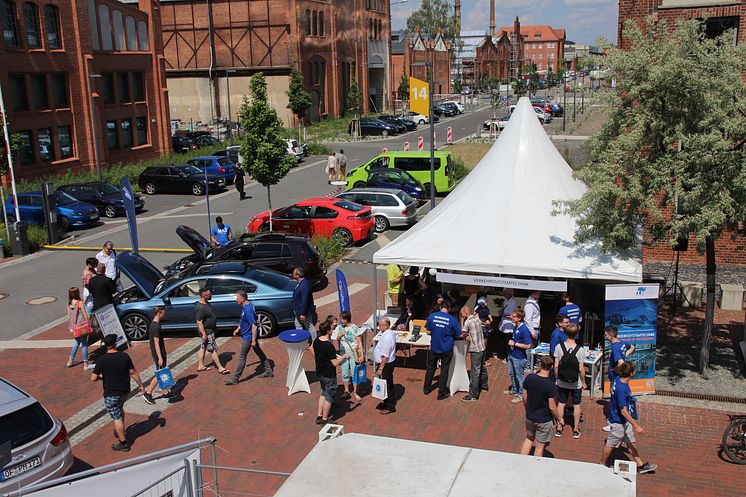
pixel 375 307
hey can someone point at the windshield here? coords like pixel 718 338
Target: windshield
pixel 189 170
pixel 404 196
pixel 350 206
pixel 224 161
pixel 409 179
pixel 62 198
pixel 108 189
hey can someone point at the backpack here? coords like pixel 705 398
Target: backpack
pixel 569 367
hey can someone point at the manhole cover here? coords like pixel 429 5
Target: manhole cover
pixel 41 300
pixel 3 295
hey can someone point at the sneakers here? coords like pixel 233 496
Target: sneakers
pixel 469 398
pixel 231 381
pixel 516 400
pixel 121 446
pixel 558 432
pixel 646 468
pixel 442 397
pixel 321 421
pixel 267 374
pixel 148 399
pixel 88 367
pixel 170 394
pixel 576 434
pixel 606 428
pixel 508 392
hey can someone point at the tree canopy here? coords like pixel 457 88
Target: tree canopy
pixel 299 100
pixel 434 15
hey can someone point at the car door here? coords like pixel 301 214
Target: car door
pixel 180 301
pixel 240 253
pixel 223 301
pixel 296 219
pixel 324 221
pixel 89 194
pixel 274 255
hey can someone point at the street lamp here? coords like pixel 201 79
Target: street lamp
pixel 230 115
pixel 93 122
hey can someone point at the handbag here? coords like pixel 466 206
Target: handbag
pixel 358 355
pixel 165 378
pixel 379 389
pixel 360 374
pixel 80 329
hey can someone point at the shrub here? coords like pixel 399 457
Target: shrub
pixel 459 169
pixel 317 148
pixel 37 236
pixel 330 249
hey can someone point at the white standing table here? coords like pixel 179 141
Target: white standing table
pixel 296 343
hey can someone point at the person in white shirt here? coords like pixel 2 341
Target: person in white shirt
pixel 384 355
pixel 533 315
pixel 331 167
pixel 506 323
pixel 108 257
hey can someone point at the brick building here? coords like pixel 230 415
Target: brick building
pixel 212 49
pixel 542 45
pixel 500 54
pixel 408 55
pixel 56 54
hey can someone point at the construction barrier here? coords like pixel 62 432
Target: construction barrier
pixel 449 135
pixel 420 143
pixel 384 150
pixel 406 146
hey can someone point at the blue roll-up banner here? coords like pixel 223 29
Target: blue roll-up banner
pixel 344 295
pixel 129 207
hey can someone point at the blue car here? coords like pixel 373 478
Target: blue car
pixel 557 109
pixel 106 197
pixel 71 213
pixel 270 292
pixel 217 166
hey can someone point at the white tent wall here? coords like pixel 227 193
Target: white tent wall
pixel 499 219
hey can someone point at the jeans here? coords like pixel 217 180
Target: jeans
pixel 388 375
pixel 517 370
pixel 477 374
pixel 245 348
pixel 432 364
pixel 308 324
pixel 81 342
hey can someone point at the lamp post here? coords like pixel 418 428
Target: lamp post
pixel 9 158
pixel 230 115
pixel 93 123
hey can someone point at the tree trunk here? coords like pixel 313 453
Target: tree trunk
pixel 704 353
pixel 269 202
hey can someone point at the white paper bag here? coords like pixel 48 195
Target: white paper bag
pixel 379 388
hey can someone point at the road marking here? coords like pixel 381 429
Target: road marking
pixel 35 344
pixel 172 216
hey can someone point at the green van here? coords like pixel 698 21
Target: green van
pixel 417 164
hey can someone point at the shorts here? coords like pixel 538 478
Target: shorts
pixel 328 388
pixel 209 344
pixel 542 432
pixel 115 406
pixel 563 393
pixel 620 433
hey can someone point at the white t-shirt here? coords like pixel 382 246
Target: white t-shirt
pixel 110 262
pixel 580 355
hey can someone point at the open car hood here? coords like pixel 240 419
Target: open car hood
pixel 194 241
pixel 143 274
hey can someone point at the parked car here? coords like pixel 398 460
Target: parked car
pixel 178 178
pixel 217 166
pixel 545 108
pixel 328 217
pixel 295 150
pixel 459 105
pixel 71 213
pixel 375 127
pixel 106 197
pixel 409 125
pixel 391 178
pixel 390 207
pixel 416 163
pixel 419 118
pixel 270 292
pixel 498 122
pixel 557 109
pixel 544 118
pixel 39 446
pixel 182 144
pixel 445 110
pixel 233 153
pixel 277 251
pixel 206 141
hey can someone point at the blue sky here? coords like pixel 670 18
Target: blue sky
pixel 584 20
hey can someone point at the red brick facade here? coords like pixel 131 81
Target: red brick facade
pixel 49 53
pixel 493 57
pixel 542 45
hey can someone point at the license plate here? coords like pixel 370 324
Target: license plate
pixel 20 468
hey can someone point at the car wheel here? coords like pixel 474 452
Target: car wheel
pixel 110 211
pixel 264 228
pixel 198 189
pixel 385 132
pixel 63 222
pixel 136 326
pixel 421 121
pixel 381 224
pixel 343 235
pixel 360 184
pixel 266 324
pixel 150 188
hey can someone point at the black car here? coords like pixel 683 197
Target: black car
pixel 373 127
pixel 182 144
pixel 178 178
pixel 447 110
pixel 206 141
pixel 106 197
pixel 277 251
pixel 403 124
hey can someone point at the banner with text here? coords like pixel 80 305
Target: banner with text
pixel 633 309
pixel 496 281
pixel 342 291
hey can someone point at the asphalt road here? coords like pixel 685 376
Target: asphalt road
pixel 47 275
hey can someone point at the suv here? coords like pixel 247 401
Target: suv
pixel 39 447
pixel 276 251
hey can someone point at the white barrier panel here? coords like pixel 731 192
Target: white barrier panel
pixel 420 143
pixel 406 146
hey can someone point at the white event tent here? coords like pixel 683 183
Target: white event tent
pixel 499 219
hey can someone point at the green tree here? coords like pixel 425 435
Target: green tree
pixel 299 100
pixel 262 145
pixel 533 79
pixel 675 138
pixel 458 86
pixel 432 16
pixel 403 87
pixel 354 98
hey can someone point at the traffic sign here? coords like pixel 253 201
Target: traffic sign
pixel 419 96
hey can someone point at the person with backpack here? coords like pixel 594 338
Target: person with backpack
pixel 568 363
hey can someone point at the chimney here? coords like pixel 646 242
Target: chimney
pixel 517 26
pixel 492 17
pixel 457 13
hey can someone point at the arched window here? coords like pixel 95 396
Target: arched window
pixel 321 23
pixel 308 22
pixel 142 35
pixel 52 25
pixel 105 24
pixel 31 23
pixel 9 23
pixel 315 23
pixel 119 43
pixel 129 24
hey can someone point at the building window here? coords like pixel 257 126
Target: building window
pixel 129 23
pixel 142 34
pixel 39 91
pixel 533 45
pixel 105 24
pixel 118 21
pixel 31 23
pixel 308 22
pixel 112 138
pixel 123 87
pixel 59 91
pixel 138 87
pixel 46 147
pixel 141 125
pixel 66 143
pixel 321 24
pixel 18 93
pixel 314 23
pixel 10 26
pixel 540 45
pixel 108 87
pixel 26 153
pixel 52 24
pixel 126 133
pixel 541 55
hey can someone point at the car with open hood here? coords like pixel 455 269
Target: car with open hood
pixel 270 292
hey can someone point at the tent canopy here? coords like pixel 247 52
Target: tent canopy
pixel 499 219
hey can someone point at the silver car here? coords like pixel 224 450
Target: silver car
pixel 39 446
pixel 390 207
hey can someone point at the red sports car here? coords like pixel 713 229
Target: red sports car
pixel 328 217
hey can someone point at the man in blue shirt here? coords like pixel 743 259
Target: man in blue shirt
pixel 221 233
pixel 249 339
pixel 571 310
pixel 619 352
pixel 443 330
pixel 303 306
pixel 519 343
pixel 558 337
pixel 623 419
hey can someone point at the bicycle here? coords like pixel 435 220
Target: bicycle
pixel 734 439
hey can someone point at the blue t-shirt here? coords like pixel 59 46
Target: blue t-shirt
pixel 521 335
pixel 483 312
pixel 558 336
pixel 621 397
pixel 618 351
pixel 572 311
pixel 443 330
pixel 221 234
pixel 248 319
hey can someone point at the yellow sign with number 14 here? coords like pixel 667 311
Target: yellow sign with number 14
pixel 419 97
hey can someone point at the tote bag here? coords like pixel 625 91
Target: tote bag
pixel 165 378
pixel 379 389
pixel 360 374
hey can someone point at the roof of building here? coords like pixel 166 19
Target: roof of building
pixel 530 33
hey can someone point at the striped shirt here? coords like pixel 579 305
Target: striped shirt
pixel 473 326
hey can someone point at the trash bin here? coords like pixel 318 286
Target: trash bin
pixel 692 294
pixel 19 239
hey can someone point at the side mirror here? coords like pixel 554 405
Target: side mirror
pixel 166 300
